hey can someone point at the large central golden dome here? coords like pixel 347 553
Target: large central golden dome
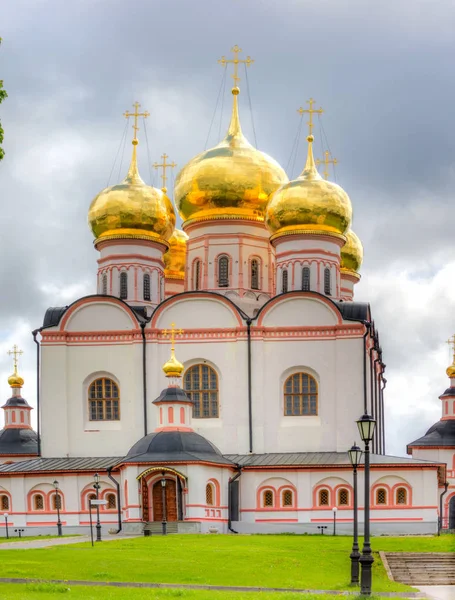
pixel 232 180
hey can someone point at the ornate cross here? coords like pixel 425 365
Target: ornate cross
pixel 327 161
pixel 164 165
pixel 136 114
pixel 236 61
pixel 172 332
pixel 451 342
pixel 310 111
pixel 15 352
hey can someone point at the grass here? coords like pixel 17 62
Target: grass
pixel 309 562
pixel 29 538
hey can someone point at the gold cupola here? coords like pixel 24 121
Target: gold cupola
pixel 132 209
pixel 175 257
pixel 451 368
pixel 173 367
pixel 309 205
pixel 233 180
pixel 15 380
pixel 351 254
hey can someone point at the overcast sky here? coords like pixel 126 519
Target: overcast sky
pixel 383 73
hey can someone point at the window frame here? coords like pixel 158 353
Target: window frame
pixel 264 492
pixel 381 488
pixel 104 400
pixel 104 284
pixel 303 396
pixel 255 277
pixel 210 487
pixel 198 403
pixel 123 285
pixel 223 263
pixel 287 490
pixel 284 281
pixel 306 279
pixel 196 274
pixel 348 496
pixel 327 281
pixel 320 491
pixel 147 287
pixel 3 497
pixel 35 497
pixel 106 497
pixel 406 495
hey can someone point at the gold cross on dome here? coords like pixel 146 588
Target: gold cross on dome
pixel 327 161
pixel 310 111
pixel 136 114
pixel 164 165
pixel 451 342
pixel 15 352
pixel 172 332
pixel 236 61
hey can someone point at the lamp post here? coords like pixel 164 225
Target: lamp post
pixel 6 525
pixel 97 486
pixel 366 425
pixel 163 495
pixel 355 456
pixel 335 520
pixel 57 504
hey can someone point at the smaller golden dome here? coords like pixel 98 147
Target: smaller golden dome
pixel 15 380
pixel 351 253
pixel 451 370
pixel 309 204
pixel 175 257
pixel 173 367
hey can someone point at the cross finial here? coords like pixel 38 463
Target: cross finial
pixel 136 114
pixel 172 332
pixel 236 61
pixel 15 352
pixel 310 111
pixel 327 161
pixel 451 342
pixel 164 165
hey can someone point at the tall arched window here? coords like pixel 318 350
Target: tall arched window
pixel 267 498
pixel 197 274
pixel 284 281
pixel 381 496
pixel 209 497
pixel 343 497
pixel 306 279
pixel 300 395
pixel 223 271
pixel 146 285
pixel 104 284
pixel 123 285
pixel 402 495
pixel 103 400
pixel 111 502
pixel 327 282
pixel 201 385
pixel 255 274
pixel 4 502
pixel 323 498
pixel 38 502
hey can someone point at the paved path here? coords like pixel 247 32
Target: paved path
pixel 46 543
pixel 438 592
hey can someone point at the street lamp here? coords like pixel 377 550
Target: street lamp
pixel 366 425
pixel 57 504
pixel 97 486
pixel 335 520
pixel 355 456
pixel 6 525
pixel 163 496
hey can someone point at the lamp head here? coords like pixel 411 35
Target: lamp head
pixel 355 455
pixel 335 509
pixel 163 481
pixel 96 477
pixel 55 484
pixel 366 425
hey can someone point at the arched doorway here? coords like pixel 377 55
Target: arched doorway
pixel 452 513
pixel 162 502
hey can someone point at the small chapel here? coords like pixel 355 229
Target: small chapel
pixel 213 380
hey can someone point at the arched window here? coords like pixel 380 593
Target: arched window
pixel 146 285
pixel 111 502
pixel 327 282
pixel 103 400
pixel 90 497
pixel 381 496
pixel 402 495
pixel 284 281
pixel 223 271
pixel 255 274
pixel 104 284
pixel 343 497
pixel 4 502
pixel 38 502
pixel 123 285
pixel 287 498
pixel 57 501
pixel 209 494
pixel 306 279
pixel 201 385
pixel 323 497
pixel 267 498
pixel 300 395
pixel 197 274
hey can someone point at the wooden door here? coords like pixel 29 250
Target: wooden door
pixel 171 501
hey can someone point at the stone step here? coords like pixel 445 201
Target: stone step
pixel 413 568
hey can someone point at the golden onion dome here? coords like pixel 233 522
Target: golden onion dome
pixel 175 257
pixel 451 370
pixel 309 204
pixel 173 367
pixel 351 253
pixel 232 180
pixel 132 209
pixel 15 380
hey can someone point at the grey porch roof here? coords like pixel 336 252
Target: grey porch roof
pixel 316 459
pixel 51 465
pixel 440 435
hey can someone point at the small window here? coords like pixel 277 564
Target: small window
pixel 123 285
pixel 287 498
pixel 57 501
pixel 254 274
pixel 402 495
pixel 267 498
pixel 209 494
pixel 38 502
pixel 381 496
pixel 300 395
pixel 111 502
pixel 104 400
pixel 327 282
pixel 223 271
pixel 4 502
pixel 197 275
pixel 147 287
pixel 104 284
pixel 201 385
pixel 284 281
pixel 306 279
pixel 323 497
pixel 343 497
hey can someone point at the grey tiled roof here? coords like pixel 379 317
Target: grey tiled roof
pixel 52 465
pixel 322 459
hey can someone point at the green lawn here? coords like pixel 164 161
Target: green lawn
pixel 285 561
pixel 28 538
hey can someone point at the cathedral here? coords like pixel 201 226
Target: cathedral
pixel 214 380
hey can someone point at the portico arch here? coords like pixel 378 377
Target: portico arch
pixel 162 502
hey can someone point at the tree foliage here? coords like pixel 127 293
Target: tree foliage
pixel 3 95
